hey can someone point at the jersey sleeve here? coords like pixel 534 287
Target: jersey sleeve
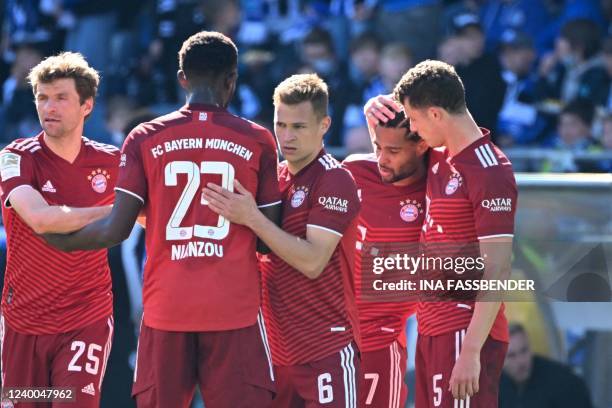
pixel 16 170
pixel 335 203
pixel 268 192
pixel 493 194
pixel 132 178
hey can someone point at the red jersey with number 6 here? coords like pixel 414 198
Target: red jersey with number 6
pixel 310 319
pixel 47 291
pixel 201 271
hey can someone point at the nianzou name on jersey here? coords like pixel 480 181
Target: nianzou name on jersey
pixel 197 249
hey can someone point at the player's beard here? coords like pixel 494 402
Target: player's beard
pixel 402 173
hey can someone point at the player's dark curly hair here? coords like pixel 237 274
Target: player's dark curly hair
pixel 400 121
pixel 207 54
pixel 432 83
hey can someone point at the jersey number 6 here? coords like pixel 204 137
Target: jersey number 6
pixel 174 231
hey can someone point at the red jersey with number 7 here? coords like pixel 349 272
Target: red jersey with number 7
pixel 201 271
pixel 390 220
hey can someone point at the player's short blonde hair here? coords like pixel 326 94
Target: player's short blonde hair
pixel 67 65
pixel 301 88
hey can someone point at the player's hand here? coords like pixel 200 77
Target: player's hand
pixel 380 108
pixel 465 376
pixel 238 207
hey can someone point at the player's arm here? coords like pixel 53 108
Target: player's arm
pixel 272 213
pixel 44 218
pixel 309 256
pixel 497 254
pixel 104 233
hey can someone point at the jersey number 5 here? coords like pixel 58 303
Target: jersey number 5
pixel 174 231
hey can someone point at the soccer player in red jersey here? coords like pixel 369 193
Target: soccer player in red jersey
pixel 202 323
pixel 56 325
pixel 308 294
pixel 391 185
pixel 471 198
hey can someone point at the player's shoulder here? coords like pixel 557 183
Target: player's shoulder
pixel 23 146
pixel 247 127
pixel 100 148
pixel 359 160
pixel 331 170
pixel 483 159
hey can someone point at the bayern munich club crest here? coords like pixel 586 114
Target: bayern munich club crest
pixel 298 197
pixel 410 210
pixel 99 180
pixel 453 184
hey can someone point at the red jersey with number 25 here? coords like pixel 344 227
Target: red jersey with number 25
pixel 201 271
pixel 310 319
pixel 47 291
pixel 390 217
pixel 470 196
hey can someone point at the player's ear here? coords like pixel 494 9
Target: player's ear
pixel 88 106
pixel 182 79
pixel 421 147
pixel 325 124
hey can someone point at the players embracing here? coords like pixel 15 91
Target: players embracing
pixel 308 293
pixel 391 183
pixel 462 343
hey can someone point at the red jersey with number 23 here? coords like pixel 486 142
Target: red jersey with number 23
pixel 470 196
pixel 47 291
pixel 310 319
pixel 201 271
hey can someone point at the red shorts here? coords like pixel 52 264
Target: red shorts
pixel 329 383
pixel 435 359
pixel 382 378
pixel 76 359
pixel 233 368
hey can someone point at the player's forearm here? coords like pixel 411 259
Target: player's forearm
pixel 98 235
pixel 62 219
pixel 297 252
pixel 480 325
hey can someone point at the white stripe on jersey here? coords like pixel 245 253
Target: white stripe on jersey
pixel 482 160
pixel 491 154
pixel 264 339
pixel 107 349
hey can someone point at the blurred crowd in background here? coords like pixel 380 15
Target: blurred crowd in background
pixel 536 72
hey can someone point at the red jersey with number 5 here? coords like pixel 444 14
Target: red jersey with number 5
pixel 470 196
pixel 201 271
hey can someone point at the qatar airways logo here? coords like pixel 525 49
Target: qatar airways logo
pixel 334 204
pixel 497 204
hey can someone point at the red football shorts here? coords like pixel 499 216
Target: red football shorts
pixel 233 368
pixel 435 359
pixel 382 378
pixel 76 360
pixel 327 383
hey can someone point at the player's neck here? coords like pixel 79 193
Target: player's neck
pixel 297 165
pixel 204 96
pixel 461 132
pixel 67 146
